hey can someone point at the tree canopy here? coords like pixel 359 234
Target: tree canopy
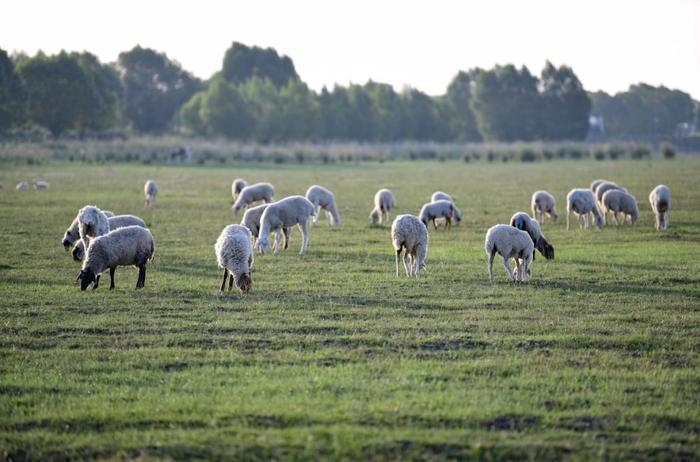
pixel 13 96
pixel 242 62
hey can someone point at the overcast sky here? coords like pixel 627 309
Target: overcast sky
pixel 609 43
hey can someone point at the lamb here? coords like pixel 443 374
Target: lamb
pixel 234 253
pixel 439 195
pixel 236 187
pixel 383 204
pixel 120 221
pixel 290 211
pixel 618 201
pixel 40 185
pixel 251 194
pixel 131 245
pixel 408 232
pixel 439 209
pixel 72 234
pixel 91 223
pixel 510 242
pixel 543 203
pixel 151 190
pixel 582 202
pixel 660 200
pixel 22 186
pixel 603 188
pixel 251 220
pixel 323 198
pixel 523 222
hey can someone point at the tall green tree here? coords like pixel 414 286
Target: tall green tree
pixel 225 112
pixel 564 106
pixel 420 116
pixel 110 94
pixel 387 109
pixel 13 96
pixel 242 62
pixel 60 91
pixel 458 111
pixel 155 88
pixel 334 113
pixel 361 117
pixel 191 116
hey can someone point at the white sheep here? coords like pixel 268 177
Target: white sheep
pixel 150 189
pixel 582 202
pixel 40 185
pixel 234 253
pixel 92 222
pixel 596 183
pixel 408 232
pixel 617 201
pixel 290 211
pixel 439 209
pixel 252 193
pixel 131 245
pixel 383 204
pixel 660 200
pixel 542 204
pixel 120 221
pixel 22 186
pixel 322 198
pixel 510 242
pixel 72 234
pixel 439 195
pixel 603 188
pixel 236 187
pixel 524 222
pixel 251 220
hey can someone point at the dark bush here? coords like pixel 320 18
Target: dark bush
pixel 599 154
pixel 528 156
pixel 668 150
pixel 466 158
pixel 640 152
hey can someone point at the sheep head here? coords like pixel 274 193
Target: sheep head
pixel 87 277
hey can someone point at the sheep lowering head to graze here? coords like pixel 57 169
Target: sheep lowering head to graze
pixel 617 201
pixel 92 222
pixel 408 232
pixel 323 198
pixel 253 193
pixel 543 203
pixel 120 221
pixel 582 202
pixel 510 242
pixel 383 204
pixel 150 189
pixel 40 185
pixel 660 200
pixel 236 187
pixel 523 222
pixel 72 234
pixel 251 220
pixel 603 188
pixel 290 211
pixel 439 196
pixel 234 253
pixel 439 209
pixel 131 245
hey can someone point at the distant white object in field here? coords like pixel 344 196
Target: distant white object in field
pixel 150 189
pixel 383 204
pixel 41 185
pixel 660 200
pixel 22 186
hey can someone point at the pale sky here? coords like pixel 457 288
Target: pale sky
pixel 610 44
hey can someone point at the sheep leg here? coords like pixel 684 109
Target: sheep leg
pixel 518 270
pixel 223 283
pixel 142 277
pixel 317 210
pixel 665 220
pixel 434 224
pixel 508 270
pixel 398 254
pixel 329 217
pixel 286 237
pixel 230 281
pixel 448 222
pixel 111 278
pixel 305 235
pixel 411 264
pixel 278 240
pixel 568 214
pixel 489 266
pixel 405 267
pixel 580 221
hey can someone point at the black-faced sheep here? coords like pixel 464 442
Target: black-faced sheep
pixel 524 222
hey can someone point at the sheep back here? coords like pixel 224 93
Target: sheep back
pixel 131 245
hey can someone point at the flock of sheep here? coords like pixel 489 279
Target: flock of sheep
pixel 104 241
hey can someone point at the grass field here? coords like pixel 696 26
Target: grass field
pixel 331 356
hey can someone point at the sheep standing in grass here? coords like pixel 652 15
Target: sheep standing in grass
pixel 324 199
pixel 22 186
pixel 251 220
pixel 234 253
pixel 252 193
pixel 72 234
pixel 92 222
pixel 617 201
pixel 439 209
pixel 582 202
pixel 120 221
pixel 603 188
pixel 543 203
pixel 383 204
pixel 510 242
pixel 40 185
pixel 439 196
pixel 660 200
pixel 523 222
pixel 236 187
pixel 132 245
pixel 150 189
pixel 408 232
pixel 596 183
pixel 290 211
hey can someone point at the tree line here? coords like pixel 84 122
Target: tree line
pixel 258 95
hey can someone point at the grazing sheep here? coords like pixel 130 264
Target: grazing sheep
pixel 324 199
pixel 617 201
pixel 542 204
pixel 22 186
pixel 660 200
pixel 251 220
pixel 440 209
pixel 120 221
pixel 72 234
pixel 603 188
pixel 408 232
pixel 234 253
pixel 236 187
pixel 439 195
pixel 510 242
pixel 596 183
pixel 290 211
pixel 151 190
pixel 132 245
pixel 40 185
pixel 582 202
pixel 255 192
pixel 91 223
pixel 523 222
pixel 383 204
